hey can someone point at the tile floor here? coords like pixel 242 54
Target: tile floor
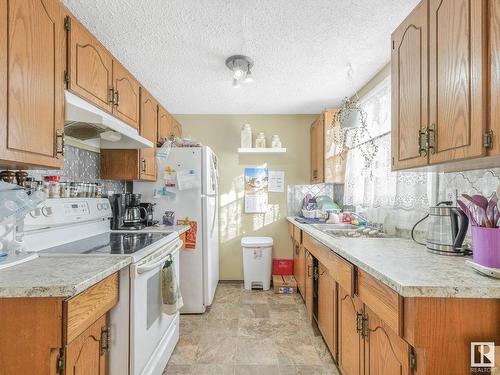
pixel 250 332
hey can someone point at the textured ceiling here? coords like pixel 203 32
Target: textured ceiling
pixel 177 49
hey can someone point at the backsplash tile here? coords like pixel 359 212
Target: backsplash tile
pixel 297 192
pixel 81 166
pixel 483 181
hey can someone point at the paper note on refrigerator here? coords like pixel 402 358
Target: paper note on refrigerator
pixel 276 181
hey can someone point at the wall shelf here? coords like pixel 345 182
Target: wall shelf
pixel 267 150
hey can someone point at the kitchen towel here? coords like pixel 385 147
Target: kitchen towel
pixel 170 292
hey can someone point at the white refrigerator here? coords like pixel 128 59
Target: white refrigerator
pixel 198 201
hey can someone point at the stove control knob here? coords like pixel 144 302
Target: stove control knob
pixel 47 211
pixel 99 206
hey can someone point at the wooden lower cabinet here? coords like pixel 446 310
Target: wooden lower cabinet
pixel 309 284
pixel 55 336
pixel 327 307
pixel 385 353
pixel 87 354
pixel 350 312
pixel 299 267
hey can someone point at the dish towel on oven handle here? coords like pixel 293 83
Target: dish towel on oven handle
pixel 170 291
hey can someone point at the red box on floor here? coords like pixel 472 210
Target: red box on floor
pixel 283 267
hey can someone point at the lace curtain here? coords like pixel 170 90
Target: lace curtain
pixel 377 191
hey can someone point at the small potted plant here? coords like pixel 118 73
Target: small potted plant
pixel 483 214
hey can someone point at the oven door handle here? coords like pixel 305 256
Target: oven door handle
pixel 148 267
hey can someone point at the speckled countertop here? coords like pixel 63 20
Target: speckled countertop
pixel 58 276
pixel 408 268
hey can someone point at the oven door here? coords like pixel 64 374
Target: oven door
pixel 149 326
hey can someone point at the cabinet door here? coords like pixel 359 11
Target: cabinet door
pixel 91 67
pixel 335 161
pixel 309 284
pixel 385 352
pixel 457 79
pixel 176 129
pixel 127 101
pixel 350 342
pixel 87 354
pixel 164 125
pixel 327 309
pixel 31 83
pixel 149 126
pixel 494 56
pixel 409 80
pixel 317 151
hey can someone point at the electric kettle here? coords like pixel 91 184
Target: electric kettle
pixel 446 230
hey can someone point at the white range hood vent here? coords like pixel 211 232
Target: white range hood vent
pixel 96 128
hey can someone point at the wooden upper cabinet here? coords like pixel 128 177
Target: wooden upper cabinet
pixel 149 125
pixel 90 66
pixel 409 80
pixel 164 125
pixel 457 79
pixel 31 83
pixel 317 151
pixel 494 64
pixel 334 158
pixel 176 129
pixel 385 352
pixel 126 95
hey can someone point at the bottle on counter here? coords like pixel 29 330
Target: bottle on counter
pixel 51 186
pixel 246 136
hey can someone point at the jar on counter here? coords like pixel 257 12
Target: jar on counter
pixel 8 176
pixel 65 189
pixel 92 190
pixel 73 190
pixel 260 141
pixel 51 184
pixel 98 190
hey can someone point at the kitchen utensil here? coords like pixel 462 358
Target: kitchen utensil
pixel 446 229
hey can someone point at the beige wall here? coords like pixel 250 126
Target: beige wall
pixel 222 134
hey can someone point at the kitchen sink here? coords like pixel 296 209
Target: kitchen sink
pixel 349 230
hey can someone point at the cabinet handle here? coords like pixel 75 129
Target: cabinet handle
pixel 59 143
pixel 422 142
pixel 296 248
pixel 116 98
pixel 364 326
pixel 111 99
pixel 105 339
pixel 359 323
pixel 431 138
pixel 143 162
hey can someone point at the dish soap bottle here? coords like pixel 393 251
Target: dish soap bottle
pixel 260 141
pixel 246 136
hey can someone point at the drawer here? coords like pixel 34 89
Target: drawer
pixel 339 268
pixel 382 300
pixel 85 308
pixel 297 234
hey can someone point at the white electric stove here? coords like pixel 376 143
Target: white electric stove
pixel 143 336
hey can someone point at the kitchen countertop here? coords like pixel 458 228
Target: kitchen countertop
pixel 58 276
pixel 409 268
pixel 167 228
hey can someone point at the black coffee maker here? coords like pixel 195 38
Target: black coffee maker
pixel 147 214
pixel 118 204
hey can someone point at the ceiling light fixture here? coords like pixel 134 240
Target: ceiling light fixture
pixel 240 65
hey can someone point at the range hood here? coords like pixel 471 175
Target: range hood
pixel 94 127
